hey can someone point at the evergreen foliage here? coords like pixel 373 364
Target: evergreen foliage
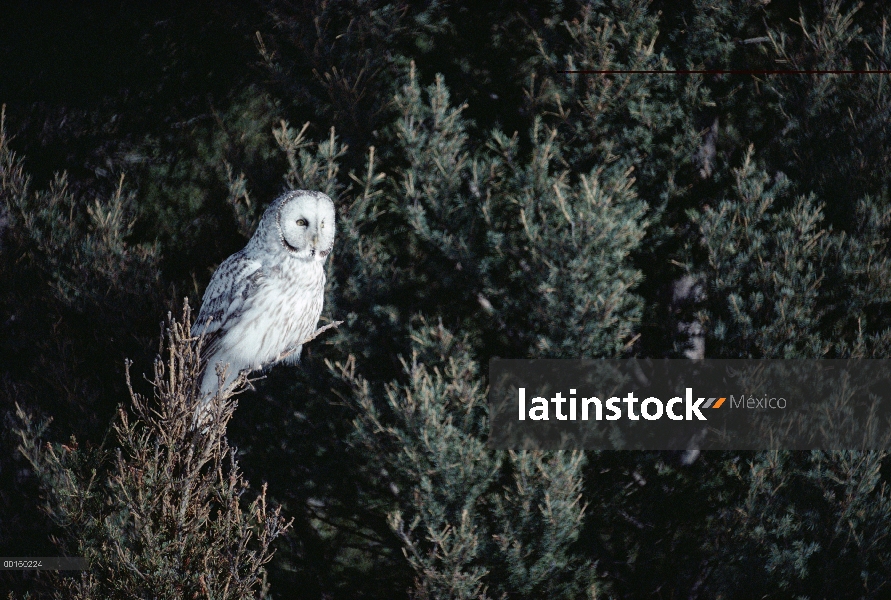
pixel 785 284
pixel 473 522
pixel 489 205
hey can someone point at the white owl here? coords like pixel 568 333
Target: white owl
pixel 264 301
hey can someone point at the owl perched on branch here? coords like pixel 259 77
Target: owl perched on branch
pixel 263 302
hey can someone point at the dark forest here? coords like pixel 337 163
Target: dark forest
pixel 489 204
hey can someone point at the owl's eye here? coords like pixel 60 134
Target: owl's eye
pixel 301 222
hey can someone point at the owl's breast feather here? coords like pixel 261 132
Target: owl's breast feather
pixel 285 311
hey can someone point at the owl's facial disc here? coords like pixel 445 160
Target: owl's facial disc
pixel 306 226
pixel 289 246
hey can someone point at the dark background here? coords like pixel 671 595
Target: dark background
pixel 788 251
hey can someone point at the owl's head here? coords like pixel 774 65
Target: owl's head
pixel 304 222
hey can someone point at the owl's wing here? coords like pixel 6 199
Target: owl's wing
pixel 229 293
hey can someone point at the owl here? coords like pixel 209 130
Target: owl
pixel 264 301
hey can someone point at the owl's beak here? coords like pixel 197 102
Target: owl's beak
pixel 315 240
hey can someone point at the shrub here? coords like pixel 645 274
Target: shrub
pixel 157 509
